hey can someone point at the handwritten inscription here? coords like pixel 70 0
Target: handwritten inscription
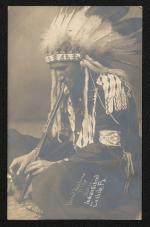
pixel 95 191
pixel 76 190
pixel 90 191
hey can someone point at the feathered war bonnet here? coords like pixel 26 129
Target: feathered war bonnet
pixel 81 34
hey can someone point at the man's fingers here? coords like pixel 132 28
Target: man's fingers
pixel 38 171
pixel 34 162
pixel 33 167
pixel 14 162
pixel 20 169
pixel 12 165
pixel 11 171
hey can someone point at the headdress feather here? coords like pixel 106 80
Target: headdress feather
pixel 97 35
pixel 91 33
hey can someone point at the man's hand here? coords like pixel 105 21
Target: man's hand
pixel 20 163
pixel 38 166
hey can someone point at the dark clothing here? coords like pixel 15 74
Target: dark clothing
pixel 67 185
pixel 90 185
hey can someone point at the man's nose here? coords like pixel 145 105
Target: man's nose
pixel 59 73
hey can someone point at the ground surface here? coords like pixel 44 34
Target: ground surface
pixel 21 212
pixel 18 211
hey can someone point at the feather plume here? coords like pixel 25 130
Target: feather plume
pixel 110 38
pixel 91 33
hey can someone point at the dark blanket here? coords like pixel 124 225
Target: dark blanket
pixel 87 187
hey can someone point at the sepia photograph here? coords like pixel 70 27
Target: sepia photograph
pixel 74 113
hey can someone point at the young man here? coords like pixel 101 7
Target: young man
pixel 89 165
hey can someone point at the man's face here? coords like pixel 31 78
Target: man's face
pixel 71 71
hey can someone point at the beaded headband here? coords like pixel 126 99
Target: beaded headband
pixel 62 57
